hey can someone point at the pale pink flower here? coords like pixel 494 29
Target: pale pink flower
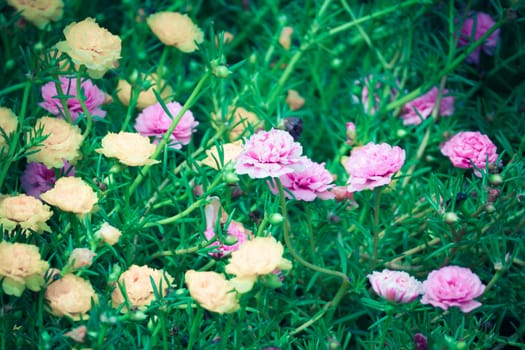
pixel 396 286
pixel 469 149
pixel 373 165
pixel 350 133
pixel 92 95
pixel 419 109
pixel 154 121
pixel 314 181
pixel 453 286
pixel 473 29
pixel 270 154
pixel 37 178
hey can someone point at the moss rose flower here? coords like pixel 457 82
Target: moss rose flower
pixel 108 234
pixel 21 267
pixel 469 149
pixel 71 194
pixel 146 97
pixel 421 108
pixel 70 296
pixel 37 178
pixel 176 29
pixel 453 286
pixel 212 291
pixel 238 121
pixel 254 258
pixel 373 165
pixel 474 27
pixel 25 211
pixel 39 12
pixel 219 156
pixel 90 45
pixel 129 148
pixel 154 121
pixel 397 286
pixel 63 143
pixel 137 282
pixel 8 124
pixel 270 154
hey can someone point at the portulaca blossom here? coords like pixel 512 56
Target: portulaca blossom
pixel 397 286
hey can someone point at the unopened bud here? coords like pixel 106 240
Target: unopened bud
pixel 450 217
pixel 230 240
pixel 9 64
pixel 231 178
pixel 490 208
pixel 401 133
pixel 221 72
pixel 276 219
pixel 39 46
pixel 333 344
pixel 134 76
pixel 138 316
pixel 336 63
pixel 495 179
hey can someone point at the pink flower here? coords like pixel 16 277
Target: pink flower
pixel 37 178
pixel 308 184
pixel 473 29
pixel 421 108
pixel 270 154
pixel 92 95
pixel 154 121
pixel 469 149
pixel 235 232
pixel 452 286
pixel 373 165
pixel 396 286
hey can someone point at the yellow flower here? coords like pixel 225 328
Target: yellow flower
pixel 8 123
pixel 25 211
pixel 70 296
pixel 175 29
pixel 230 152
pixel 294 100
pixel 39 12
pixel 108 234
pixel 147 97
pixel 21 268
pixel 91 45
pixel 71 194
pixel 80 257
pixel 254 258
pixel 285 38
pixel 212 291
pixel 137 282
pixel 129 148
pixel 238 119
pixel 63 143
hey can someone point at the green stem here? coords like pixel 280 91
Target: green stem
pixel 375 228
pixel 180 215
pixel 87 114
pixel 195 325
pixel 131 107
pixel 181 251
pixel 14 142
pixel 63 99
pixel 165 139
pixel 226 334
pixel 12 88
pixel 329 307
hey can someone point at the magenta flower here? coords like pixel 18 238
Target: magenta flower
pixel 314 181
pixel 37 178
pixel 469 149
pixel 93 98
pixel 154 121
pixel 452 286
pixel 473 29
pixel 397 286
pixel 270 154
pixel 419 109
pixel 373 165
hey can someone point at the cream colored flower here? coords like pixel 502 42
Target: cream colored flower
pixel 91 45
pixel 8 124
pixel 147 97
pixel 227 38
pixel 71 194
pixel 70 296
pixel 254 258
pixel 78 334
pixel 238 119
pixel 294 100
pixel 39 12
pixel 129 148
pixel 176 29
pixel 285 38
pixel 108 234
pixel 63 143
pixel 25 211
pixel 80 257
pixel 212 291
pixel 230 151
pixel 136 281
pixel 21 268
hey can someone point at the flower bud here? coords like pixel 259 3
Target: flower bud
pixel 490 208
pixel 336 63
pixel 80 257
pixel 271 281
pixel 450 217
pixel 9 64
pixel 495 179
pixel 275 219
pixel 231 178
pixel 138 316
pixel 401 133
pixel 221 72
pixel 230 240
